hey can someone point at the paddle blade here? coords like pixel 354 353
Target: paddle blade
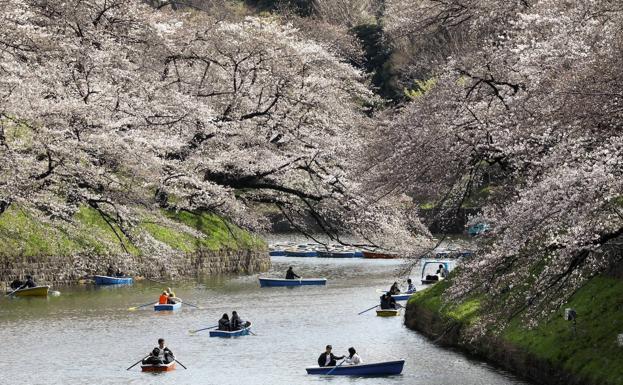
pixel 132 308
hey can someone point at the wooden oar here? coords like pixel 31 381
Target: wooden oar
pixel 180 364
pixel 198 330
pixel 375 306
pixel 137 362
pixel 140 306
pixel 13 292
pixel 336 366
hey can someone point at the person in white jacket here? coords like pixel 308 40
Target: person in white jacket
pixel 353 358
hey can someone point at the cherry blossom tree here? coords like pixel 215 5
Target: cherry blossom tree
pixel 117 105
pixel 526 94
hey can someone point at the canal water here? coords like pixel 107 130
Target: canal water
pixel 87 335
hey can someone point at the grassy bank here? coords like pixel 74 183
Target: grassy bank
pixel 22 233
pixel 591 352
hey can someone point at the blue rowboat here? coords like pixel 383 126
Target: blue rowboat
pixel 358 253
pixel 106 280
pixel 236 333
pixel 167 306
pixel 301 253
pixel 336 254
pixel 266 282
pixel 402 296
pixel 277 253
pixel 377 369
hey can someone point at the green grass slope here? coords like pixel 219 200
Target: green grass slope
pixel 591 351
pixel 24 234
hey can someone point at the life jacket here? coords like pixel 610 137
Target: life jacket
pixel 164 299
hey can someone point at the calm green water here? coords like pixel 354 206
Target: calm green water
pixel 87 335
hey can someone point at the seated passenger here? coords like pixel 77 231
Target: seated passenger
pixel 290 274
pixel 159 355
pixel 353 358
pixel 29 282
pixel 164 298
pixel 110 272
pixel 394 289
pixel 119 273
pixel 223 323
pixel 442 272
pixel 172 298
pixel 327 358
pixel 410 286
pixel 235 322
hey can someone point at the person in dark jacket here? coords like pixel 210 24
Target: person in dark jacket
pixel 30 282
pixel 159 355
pixel 236 323
pixel 223 323
pixel 290 274
pixel 388 302
pixel 16 284
pixel 327 358
pixel 394 289
pixel 110 272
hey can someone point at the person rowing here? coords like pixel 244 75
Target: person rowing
pixel 235 323
pixel 410 286
pixel 353 358
pixel 224 323
pixel 388 302
pixel 327 358
pixel 394 289
pixel 290 274
pixel 159 355
pixel 110 272
pixel 164 298
pixel 30 282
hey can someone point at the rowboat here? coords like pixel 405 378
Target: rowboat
pixel 387 312
pixel 227 334
pixel 106 280
pixel 301 253
pixel 379 255
pixel 336 254
pixel 448 265
pixel 277 253
pixel 265 282
pixel 386 368
pixel 37 291
pixel 167 306
pixel 158 368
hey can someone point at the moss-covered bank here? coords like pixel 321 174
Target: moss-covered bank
pixel 552 353
pixel 160 244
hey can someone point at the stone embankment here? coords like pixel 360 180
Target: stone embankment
pixel 67 270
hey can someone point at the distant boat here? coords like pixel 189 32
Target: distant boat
pixel 106 280
pixel 228 334
pixel 159 368
pixel 375 369
pixel 337 254
pixel 301 252
pixel 277 253
pixel 448 264
pixel 168 306
pixel 266 282
pixel 387 312
pixel 37 291
pixel 478 229
pixel 379 255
